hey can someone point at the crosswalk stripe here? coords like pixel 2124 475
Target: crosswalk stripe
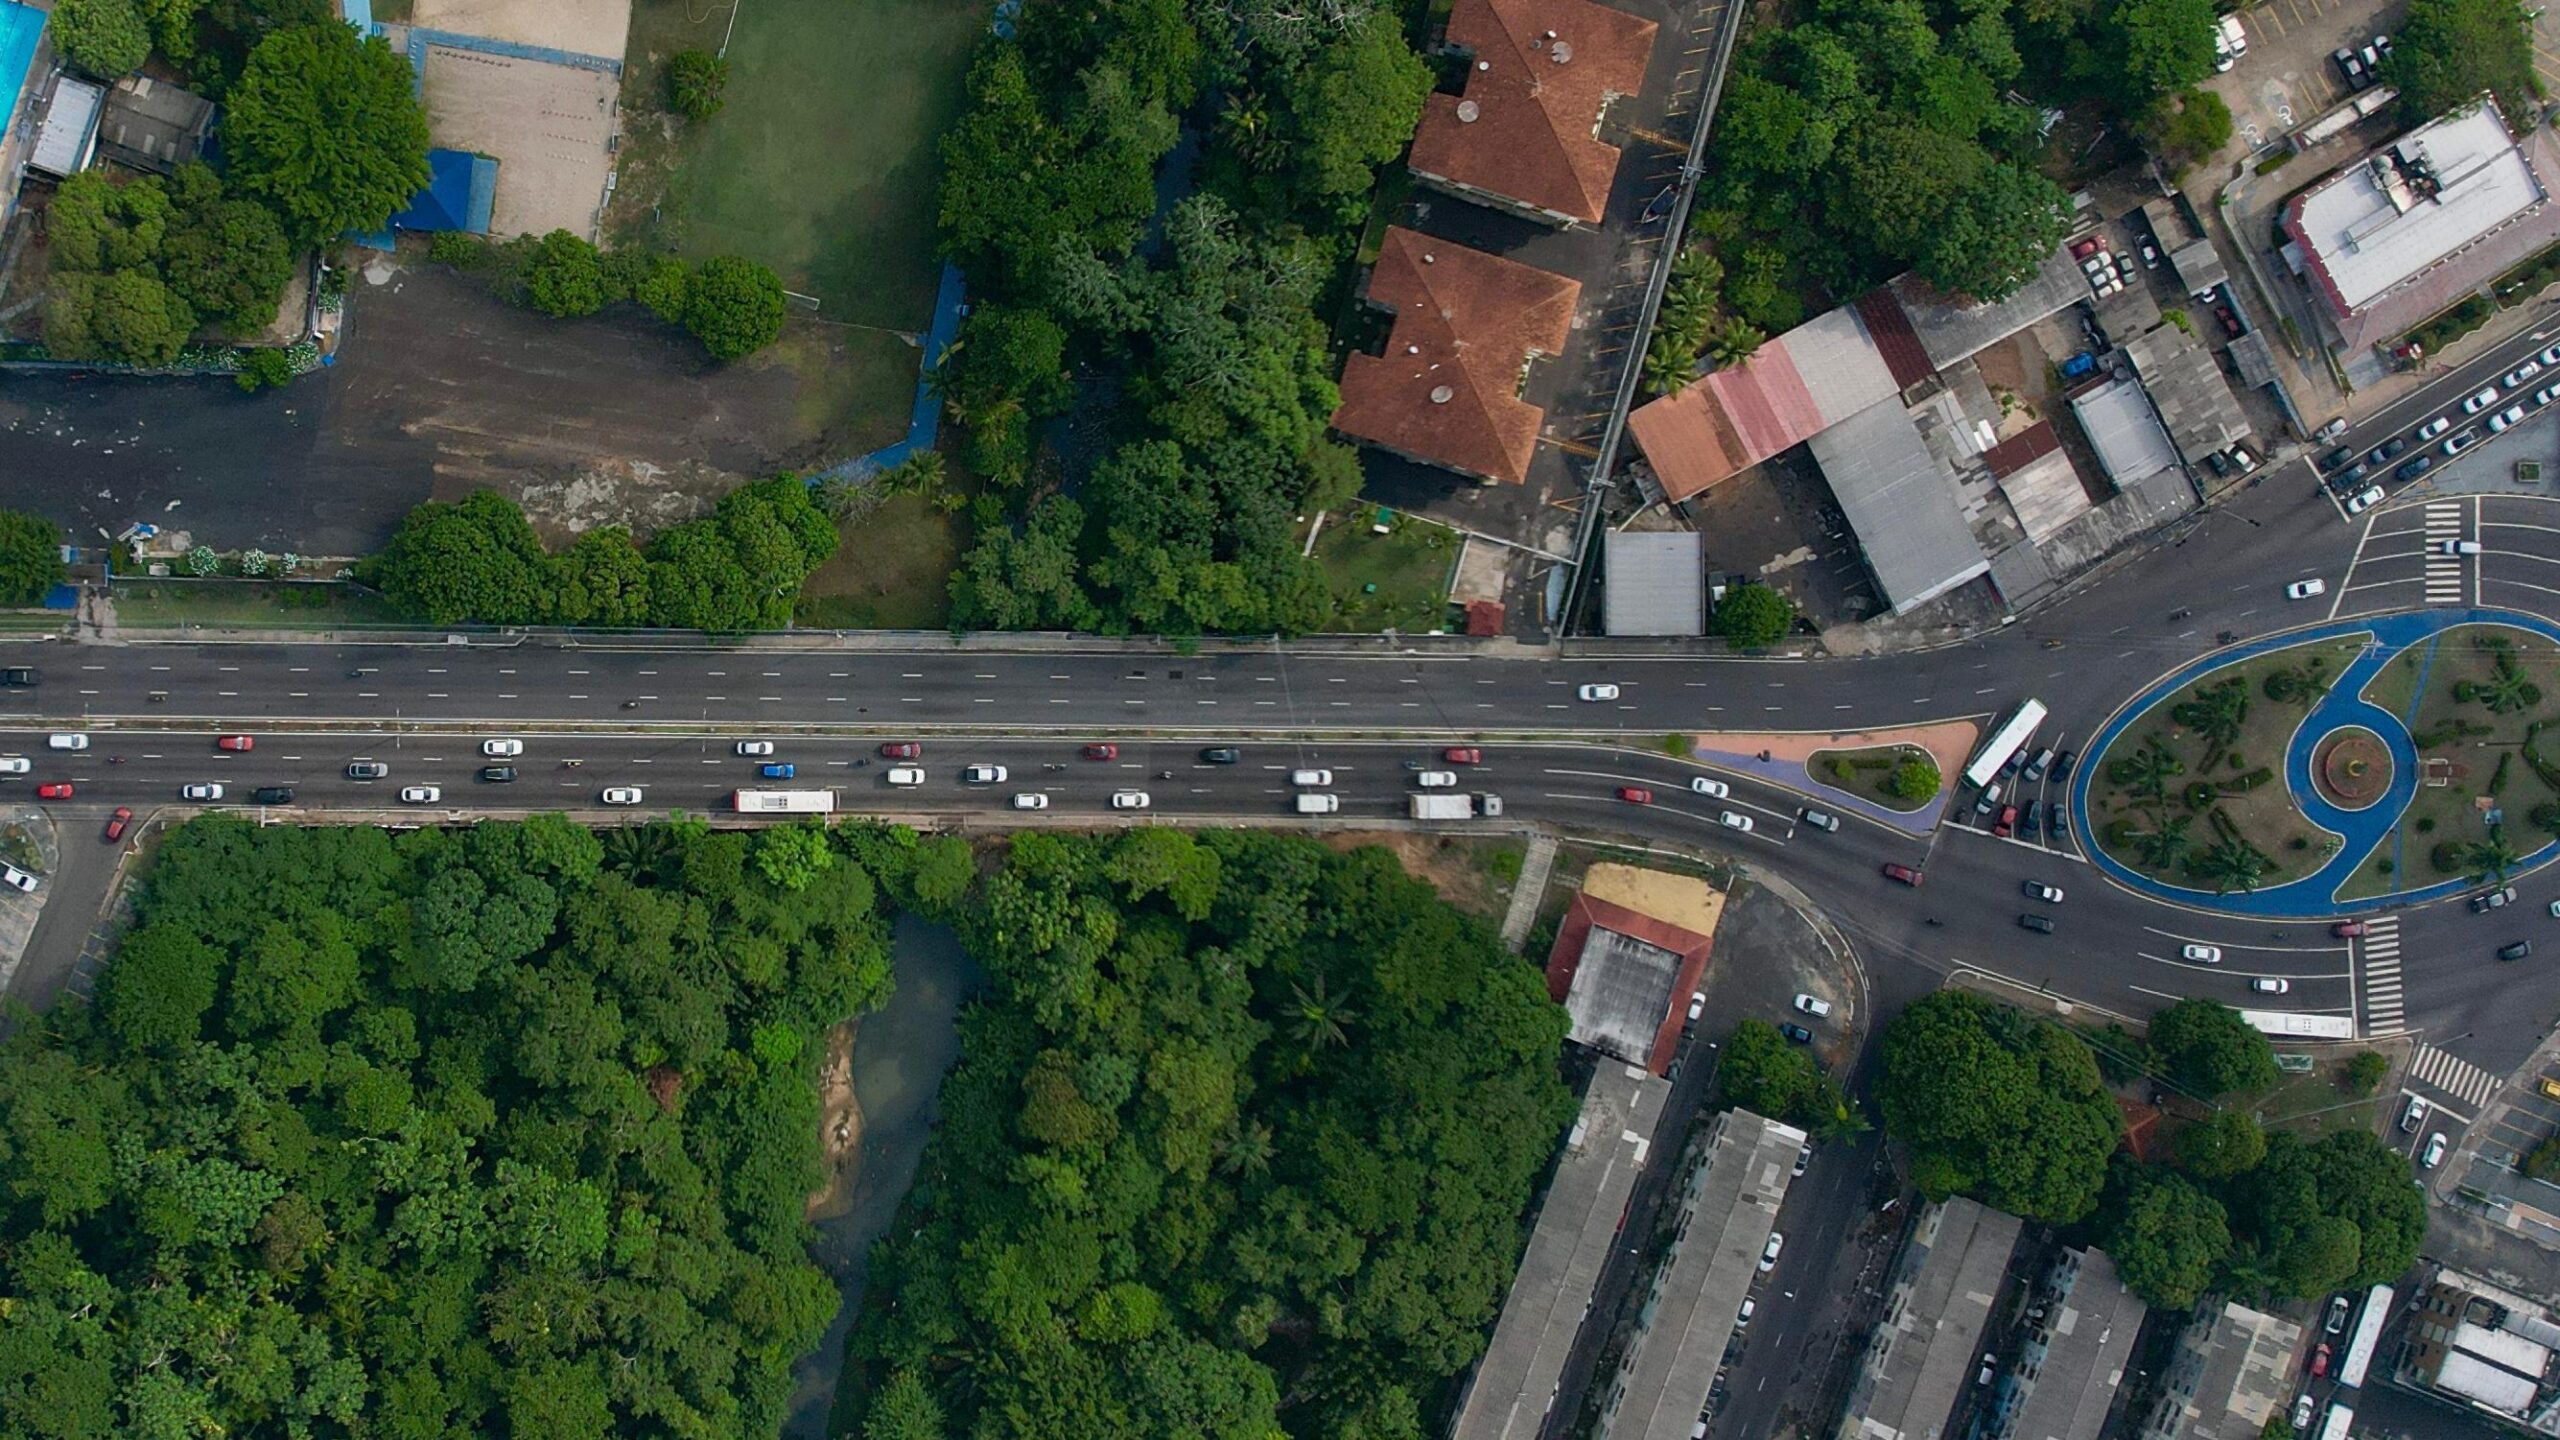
pixel 2454 1075
pixel 2379 956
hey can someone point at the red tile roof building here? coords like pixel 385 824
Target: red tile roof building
pixel 1447 390
pixel 1590 923
pixel 1525 133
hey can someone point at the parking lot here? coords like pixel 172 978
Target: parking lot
pixel 2289 77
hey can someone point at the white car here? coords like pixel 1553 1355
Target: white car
pixel 1815 1006
pixel 983 774
pixel 420 795
pixel 2303 1405
pixel 2545 395
pixel 2367 500
pixel 2271 985
pixel 1769 1252
pixel 501 749
pixel 2458 547
pixel 1312 779
pixel 16 878
pixel 1437 779
pixel 2414 1114
pixel 1731 821
pixel 2522 373
pixel 2201 954
pixel 2435 427
pixel 199 792
pixel 1705 786
pixel 1031 801
pixel 15 765
pixel 2459 443
pixel 622 795
pixel 1130 800
pixel 2434 1155
pixel 2305 589
pixel 755 747
pixel 1697 1005
pixel 2481 401
pixel 66 742
pixel 906 775
pixel 2505 418
pixel 1598 692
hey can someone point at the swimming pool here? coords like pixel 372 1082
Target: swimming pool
pixel 19 27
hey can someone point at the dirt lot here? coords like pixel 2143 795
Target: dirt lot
pixel 441 390
pixel 547 125
pixel 584 27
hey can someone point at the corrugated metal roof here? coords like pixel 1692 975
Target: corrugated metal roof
pixel 1655 583
pixel 1901 505
pixel 1817 374
pixel 2013 454
pixel 70 128
pixel 2118 421
pixel 1952 327
pixel 1894 337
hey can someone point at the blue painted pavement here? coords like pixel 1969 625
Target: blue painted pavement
pixel 2360 831
pixel 924 419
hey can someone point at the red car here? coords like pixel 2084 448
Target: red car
pixel 1903 873
pixel 1635 794
pixel 1102 752
pixel 2320 1361
pixel 2008 821
pixel 234 742
pixel 2347 929
pixel 901 750
pixel 117 822
pixel 58 790
pixel 1463 755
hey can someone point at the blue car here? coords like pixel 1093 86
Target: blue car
pixel 772 771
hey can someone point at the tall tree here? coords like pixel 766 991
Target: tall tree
pixel 326 129
pixel 2448 51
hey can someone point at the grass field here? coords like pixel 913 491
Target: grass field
pixel 892 571
pixel 248 604
pixel 1409 567
pixel 2480 745
pixel 821 163
pixel 1864 772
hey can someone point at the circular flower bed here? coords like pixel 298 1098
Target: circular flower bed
pixel 2352 767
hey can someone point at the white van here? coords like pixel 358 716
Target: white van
pixel 67 742
pixel 1313 779
pixel 1815 1006
pixel 906 775
pixel 1318 804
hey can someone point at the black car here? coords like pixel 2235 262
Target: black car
pixel 2041 924
pixel 2030 820
pixel 2387 450
pixel 19 675
pixel 1221 755
pixel 2062 763
pixel 2352 476
pixel 2517 951
pixel 274 795
pixel 1797 1033
pixel 498 774
pixel 2053 825
pixel 2417 467
pixel 2336 458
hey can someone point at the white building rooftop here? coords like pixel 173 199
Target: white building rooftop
pixel 2415 202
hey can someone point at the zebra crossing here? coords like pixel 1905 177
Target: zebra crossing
pixel 2453 1075
pixel 2444 572
pixel 2379 954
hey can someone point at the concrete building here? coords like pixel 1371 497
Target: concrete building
pixel 152 125
pixel 2234 1367
pixel 2187 388
pixel 2476 1345
pixel 2079 1333
pixel 68 138
pixel 1446 390
pixel 1923 1354
pixel 1523 135
pixel 1654 582
pixel 2122 427
pixel 1728 1205
pixel 2415 226
pixel 1630 952
pixel 1901 505
pixel 1577 1223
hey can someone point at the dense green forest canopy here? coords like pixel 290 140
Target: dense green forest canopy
pixel 1239 1143
pixel 492 1132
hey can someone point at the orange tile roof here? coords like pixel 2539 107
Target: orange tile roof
pixel 1536 101
pixel 1447 390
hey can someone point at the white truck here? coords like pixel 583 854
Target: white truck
pixel 1313 803
pixel 1461 806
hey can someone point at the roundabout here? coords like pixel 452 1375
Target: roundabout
pixel 2338 769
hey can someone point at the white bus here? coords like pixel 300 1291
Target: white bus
pixel 2377 1309
pixel 2294 1025
pixel 2006 741
pixel 784 802
pixel 2340 1420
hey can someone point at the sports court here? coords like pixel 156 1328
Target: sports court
pixel 580 27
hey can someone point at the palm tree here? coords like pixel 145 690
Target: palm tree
pixel 2149 770
pixel 2492 858
pixel 2216 714
pixel 2231 865
pixel 2163 848
pixel 1669 365
pixel 1735 341
pixel 1316 1019
pixel 1699 267
pixel 1246 1149
pixel 2508 691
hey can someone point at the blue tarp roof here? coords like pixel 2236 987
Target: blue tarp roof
pixel 461 189
pixel 19 27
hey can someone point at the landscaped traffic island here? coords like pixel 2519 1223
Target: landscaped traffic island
pixel 2476 700
pixel 2192 792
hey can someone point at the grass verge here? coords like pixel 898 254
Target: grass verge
pixel 891 570
pixel 1395 581
pixel 253 603
pixel 2476 752
pixel 1866 771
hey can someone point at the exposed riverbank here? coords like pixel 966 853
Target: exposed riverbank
pixel 892 1062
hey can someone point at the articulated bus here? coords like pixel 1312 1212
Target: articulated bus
pixel 2006 741
pixel 784 802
